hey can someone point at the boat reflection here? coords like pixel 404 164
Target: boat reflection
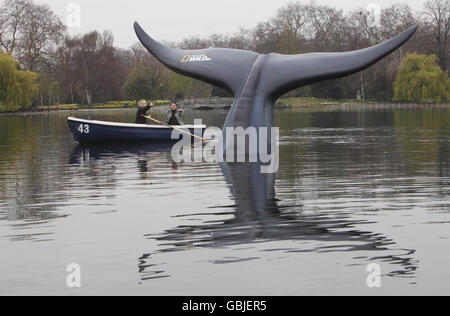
pixel 85 152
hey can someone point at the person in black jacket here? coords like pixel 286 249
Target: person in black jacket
pixel 142 110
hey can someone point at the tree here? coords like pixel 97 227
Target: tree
pixel 43 83
pixel 179 86
pixel 41 31
pixel 139 84
pixel 437 19
pixel 29 31
pixel 394 20
pixel 12 16
pixel 86 58
pixel 66 67
pixel 324 24
pixel 266 38
pixel 90 67
pixel 56 93
pixel 17 87
pixel 291 21
pixel 149 78
pixel 420 79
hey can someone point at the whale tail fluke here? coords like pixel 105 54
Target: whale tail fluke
pixel 230 68
pixel 287 72
pixel 226 68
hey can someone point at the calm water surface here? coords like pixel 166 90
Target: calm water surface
pixel 354 187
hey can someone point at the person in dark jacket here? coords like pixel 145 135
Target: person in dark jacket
pixel 142 110
pixel 173 116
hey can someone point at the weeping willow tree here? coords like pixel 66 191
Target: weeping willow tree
pixel 420 79
pixel 17 87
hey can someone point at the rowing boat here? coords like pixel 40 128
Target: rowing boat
pixel 89 131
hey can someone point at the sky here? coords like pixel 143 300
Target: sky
pixel 174 20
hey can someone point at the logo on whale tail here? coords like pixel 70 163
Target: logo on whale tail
pixel 194 58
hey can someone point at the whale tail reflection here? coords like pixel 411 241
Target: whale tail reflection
pixel 257 217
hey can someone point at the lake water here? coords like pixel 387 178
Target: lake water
pixel 355 187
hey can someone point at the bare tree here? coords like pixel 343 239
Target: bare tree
pixel 324 21
pixel 156 72
pixel 90 67
pixel 12 17
pixel 29 31
pixel 139 54
pixel 194 43
pixel 394 20
pixel 290 22
pixel 243 39
pixel 437 18
pixel 42 30
pixel 266 38
pixel 67 67
pixel 292 17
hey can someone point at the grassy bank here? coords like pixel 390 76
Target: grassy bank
pixel 107 105
pixel 284 103
pixel 311 101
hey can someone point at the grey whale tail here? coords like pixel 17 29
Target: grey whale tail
pixel 258 80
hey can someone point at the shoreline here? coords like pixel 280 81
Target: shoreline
pixel 365 106
pixel 279 106
pixel 26 113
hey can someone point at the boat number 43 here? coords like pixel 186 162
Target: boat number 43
pixel 83 129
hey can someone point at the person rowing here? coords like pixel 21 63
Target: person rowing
pixel 173 116
pixel 173 119
pixel 142 110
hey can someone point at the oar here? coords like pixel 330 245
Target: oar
pixel 173 127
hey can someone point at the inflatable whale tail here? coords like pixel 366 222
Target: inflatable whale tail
pixel 230 68
pixel 258 80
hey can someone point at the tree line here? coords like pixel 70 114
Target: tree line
pixel 89 69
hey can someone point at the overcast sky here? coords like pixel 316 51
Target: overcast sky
pixel 173 20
